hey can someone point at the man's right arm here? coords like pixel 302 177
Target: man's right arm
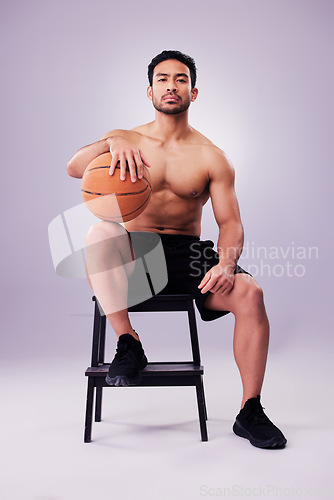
pixel 82 158
pixel 118 142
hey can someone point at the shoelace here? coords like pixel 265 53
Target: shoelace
pixel 259 417
pixel 122 349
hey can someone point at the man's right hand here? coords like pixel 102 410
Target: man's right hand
pixel 128 156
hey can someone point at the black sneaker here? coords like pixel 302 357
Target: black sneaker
pixel 127 363
pixel 253 424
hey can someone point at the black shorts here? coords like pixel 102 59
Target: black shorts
pixel 188 259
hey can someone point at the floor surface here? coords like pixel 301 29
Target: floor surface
pixel 148 444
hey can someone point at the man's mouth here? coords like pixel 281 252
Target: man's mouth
pixel 171 98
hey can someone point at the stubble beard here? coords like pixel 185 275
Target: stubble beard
pixel 169 109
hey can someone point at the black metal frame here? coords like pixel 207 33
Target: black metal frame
pixel 187 373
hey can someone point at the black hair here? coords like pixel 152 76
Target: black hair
pixel 173 54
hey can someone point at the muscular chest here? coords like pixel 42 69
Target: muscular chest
pixel 176 172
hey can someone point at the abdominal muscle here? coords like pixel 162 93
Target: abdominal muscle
pixel 168 213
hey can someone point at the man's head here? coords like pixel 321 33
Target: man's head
pixel 178 56
pixel 172 77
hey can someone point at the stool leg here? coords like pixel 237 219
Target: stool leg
pixel 98 404
pixel 89 410
pixel 202 389
pixel 201 408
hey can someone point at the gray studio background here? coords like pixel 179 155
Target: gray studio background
pixel 72 71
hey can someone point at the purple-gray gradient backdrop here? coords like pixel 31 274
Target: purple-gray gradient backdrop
pixel 73 70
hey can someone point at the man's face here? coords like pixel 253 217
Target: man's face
pixel 171 91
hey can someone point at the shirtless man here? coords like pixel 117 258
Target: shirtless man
pixel 186 169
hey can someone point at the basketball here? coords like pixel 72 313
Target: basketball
pixel 109 198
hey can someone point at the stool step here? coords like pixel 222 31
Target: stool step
pixel 156 369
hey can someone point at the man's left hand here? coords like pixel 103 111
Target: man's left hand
pixel 219 279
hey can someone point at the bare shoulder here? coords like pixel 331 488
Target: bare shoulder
pixel 142 129
pixel 131 135
pixel 221 168
pixel 219 165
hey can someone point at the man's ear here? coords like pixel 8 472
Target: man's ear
pixel 194 94
pixel 149 93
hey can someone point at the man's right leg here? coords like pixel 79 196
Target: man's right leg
pixel 109 263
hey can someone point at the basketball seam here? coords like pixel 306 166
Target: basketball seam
pixel 124 215
pixel 96 168
pixel 116 194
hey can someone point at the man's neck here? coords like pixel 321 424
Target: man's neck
pixel 170 128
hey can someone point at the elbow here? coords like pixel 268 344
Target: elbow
pixel 71 170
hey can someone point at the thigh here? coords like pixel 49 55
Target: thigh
pixel 149 272
pixel 188 261
pixel 108 247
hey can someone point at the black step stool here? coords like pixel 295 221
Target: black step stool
pixel 187 373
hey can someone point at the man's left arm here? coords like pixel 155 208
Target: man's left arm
pixel 220 278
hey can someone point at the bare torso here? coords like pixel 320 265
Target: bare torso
pixel 180 177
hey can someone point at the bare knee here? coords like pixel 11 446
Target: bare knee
pixel 256 296
pixel 250 298
pixel 108 246
pixel 104 231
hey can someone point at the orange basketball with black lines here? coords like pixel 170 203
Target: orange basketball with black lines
pixel 109 198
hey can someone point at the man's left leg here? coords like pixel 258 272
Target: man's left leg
pixel 251 340
pixel 251 331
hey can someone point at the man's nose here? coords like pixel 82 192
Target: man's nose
pixel 171 87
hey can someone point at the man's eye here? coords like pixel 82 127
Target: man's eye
pixel 181 80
